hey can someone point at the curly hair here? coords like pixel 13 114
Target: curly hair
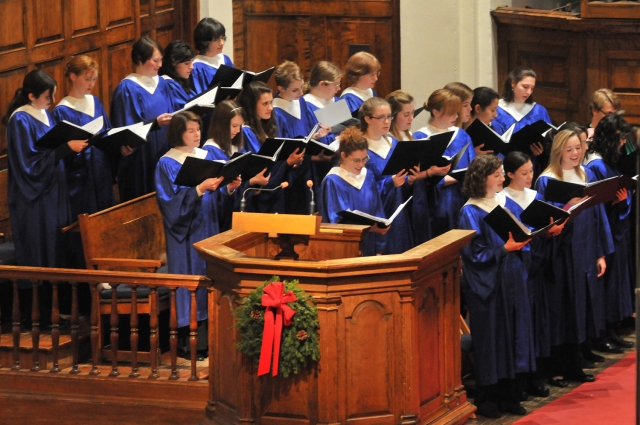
pixel 351 140
pixel 475 180
pixel 606 139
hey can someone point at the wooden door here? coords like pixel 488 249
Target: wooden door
pixel 268 32
pixel 47 33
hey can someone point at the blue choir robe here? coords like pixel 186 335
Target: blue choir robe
pixel 319 169
pixel 267 201
pixel 136 99
pixel 89 178
pixel 539 271
pixel 519 115
pixel 177 94
pixel 38 197
pixel 187 219
pixel 217 154
pixel 449 199
pixel 620 274
pixel 399 238
pixel 356 97
pixel 495 286
pixel 575 292
pixel 205 68
pixel 343 191
pixel 293 120
pixel 421 208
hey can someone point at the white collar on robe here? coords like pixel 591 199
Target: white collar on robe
pixel 292 108
pixel 180 156
pixel 355 180
pixel 516 110
pixel 86 105
pixel 488 204
pixel 166 77
pixel 39 114
pixel 405 138
pixel 591 157
pixel 524 198
pixel 362 94
pixel 213 62
pixel 567 176
pixel 380 147
pixel 148 83
pixel 210 142
pixel 430 130
pixel 318 101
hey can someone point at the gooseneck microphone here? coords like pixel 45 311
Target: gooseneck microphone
pixel 243 201
pixel 312 204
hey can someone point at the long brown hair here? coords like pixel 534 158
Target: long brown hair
pixel 464 92
pixel 397 100
pixel 248 99
pixel 220 126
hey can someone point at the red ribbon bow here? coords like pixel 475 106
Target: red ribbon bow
pixel 276 301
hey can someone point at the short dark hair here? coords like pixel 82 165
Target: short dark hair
pixel 207 30
pixel 515 77
pixel 142 50
pixel 178 126
pixel 475 180
pixel 484 97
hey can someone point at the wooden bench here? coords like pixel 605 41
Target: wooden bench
pixel 126 237
pixel 7 251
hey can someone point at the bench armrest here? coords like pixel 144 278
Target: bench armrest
pixel 106 263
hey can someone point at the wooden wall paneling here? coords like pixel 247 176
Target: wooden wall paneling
pixel 10 80
pixel 12 17
pixel 330 27
pixel 84 17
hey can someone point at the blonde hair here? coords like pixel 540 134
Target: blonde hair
pixel 602 96
pixel 286 73
pixel 322 72
pixel 79 64
pixel 464 92
pixel 555 155
pixel 397 100
pixel 444 101
pixel 361 63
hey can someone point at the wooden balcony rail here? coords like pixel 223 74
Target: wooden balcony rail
pixel 25 277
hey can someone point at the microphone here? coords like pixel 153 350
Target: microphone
pixel 243 202
pixel 312 204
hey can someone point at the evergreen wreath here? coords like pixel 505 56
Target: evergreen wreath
pixel 300 341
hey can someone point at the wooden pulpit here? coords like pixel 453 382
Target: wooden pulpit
pixel 389 332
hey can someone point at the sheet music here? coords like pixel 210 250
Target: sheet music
pixel 334 113
pixel 94 126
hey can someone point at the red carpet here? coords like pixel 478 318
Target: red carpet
pixel 609 400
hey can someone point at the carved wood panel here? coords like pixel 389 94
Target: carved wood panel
pixel 267 32
pixel 47 33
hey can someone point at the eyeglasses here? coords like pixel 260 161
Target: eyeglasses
pixel 219 39
pixel 359 160
pixel 377 74
pixel 382 118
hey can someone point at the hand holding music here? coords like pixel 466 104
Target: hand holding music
pixel 555 230
pixel 231 187
pixel 536 148
pixel 479 150
pixel 126 150
pixel 210 184
pixel 261 179
pixel 512 245
pixel 77 145
pixel 295 158
pixel 398 179
pixel 621 195
pixel 163 120
pixel 379 230
pixel 602 266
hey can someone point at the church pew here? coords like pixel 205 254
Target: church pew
pixel 126 237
